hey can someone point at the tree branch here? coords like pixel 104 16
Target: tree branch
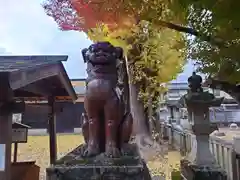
pixel 231 89
pixel 150 72
pixel 213 40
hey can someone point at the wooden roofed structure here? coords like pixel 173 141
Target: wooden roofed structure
pixel 23 77
pixel 36 117
pixel 79 87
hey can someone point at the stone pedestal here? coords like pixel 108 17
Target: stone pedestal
pixel 194 172
pixel 200 153
pixel 200 163
pixel 74 167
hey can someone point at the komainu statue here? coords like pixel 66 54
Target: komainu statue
pixel 107 121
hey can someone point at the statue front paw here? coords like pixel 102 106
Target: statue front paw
pixel 112 151
pixel 92 150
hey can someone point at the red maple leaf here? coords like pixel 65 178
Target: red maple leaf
pixel 81 16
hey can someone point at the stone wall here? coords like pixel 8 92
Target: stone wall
pixel 227 153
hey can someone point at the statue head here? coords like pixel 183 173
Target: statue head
pixel 102 53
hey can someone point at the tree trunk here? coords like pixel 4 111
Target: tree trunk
pixel 147 146
pixel 146 120
pixel 137 110
pixel 150 112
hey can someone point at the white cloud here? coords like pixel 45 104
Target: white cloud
pixel 26 29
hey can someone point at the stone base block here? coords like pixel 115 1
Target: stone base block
pixel 193 172
pixel 74 167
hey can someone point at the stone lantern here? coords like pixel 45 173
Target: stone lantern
pixel 200 163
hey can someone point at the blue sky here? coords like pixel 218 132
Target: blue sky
pixel 27 30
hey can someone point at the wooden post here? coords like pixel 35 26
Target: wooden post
pixel 52 130
pixel 6 96
pixel 15 152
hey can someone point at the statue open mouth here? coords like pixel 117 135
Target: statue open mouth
pixel 102 55
pixel 101 58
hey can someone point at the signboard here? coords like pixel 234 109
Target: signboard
pixel 17 118
pixel 19 135
pixel 2 157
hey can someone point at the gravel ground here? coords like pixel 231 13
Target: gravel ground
pixel 37 149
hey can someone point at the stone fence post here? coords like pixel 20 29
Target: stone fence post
pixel 236 160
pixel 164 131
pixel 236 144
pixel 183 144
pixel 170 135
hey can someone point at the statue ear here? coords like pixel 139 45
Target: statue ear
pixel 84 53
pixel 119 52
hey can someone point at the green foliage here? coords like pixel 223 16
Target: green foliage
pixel 218 19
pixel 158 61
pixel 176 175
pixel 175 172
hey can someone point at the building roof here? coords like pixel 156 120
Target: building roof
pixel 178 86
pixel 41 76
pixel 16 63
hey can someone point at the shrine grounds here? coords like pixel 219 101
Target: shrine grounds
pixel 37 149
